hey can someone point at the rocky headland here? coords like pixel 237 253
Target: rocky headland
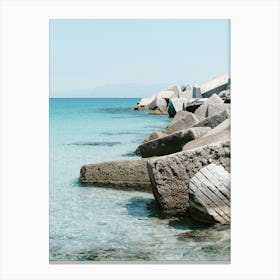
pixel 186 166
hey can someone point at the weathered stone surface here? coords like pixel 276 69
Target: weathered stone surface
pixel 171 143
pixel 225 95
pixel 220 133
pixel 224 126
pixel 155 135
pixel 176 89
pixel 182 120
pixel 159 103
pixel 209 195
pixel 208 139
pixel 170 175
pixel 144 103
pixel 214 109
pixel 120 174
pixel 157 111
pixel 193 104
pixel 214 120
pixel 176 105
pixel 202 112
pixel 191 92
pixel 167 94
pixel 214 86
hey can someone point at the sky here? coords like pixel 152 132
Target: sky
pixel 133 58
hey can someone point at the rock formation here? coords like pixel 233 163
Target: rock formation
pixel 209 195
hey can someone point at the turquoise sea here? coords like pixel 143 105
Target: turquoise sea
pixel 88 223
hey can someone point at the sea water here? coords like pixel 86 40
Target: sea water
pixel 89 223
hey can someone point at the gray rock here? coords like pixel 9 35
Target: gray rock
pixel 182 120
pixel 194 104
pixel 214 109
pixel 220 133
pixel 171 143
pixel 191 92
pixel 209 195
pixel 176 105
pixel 159 103
pixel 215 86
pixel 120 174
pixel 202 112
pixel 155 135
pixel 214 120
pixel 170 175
pixel 225 95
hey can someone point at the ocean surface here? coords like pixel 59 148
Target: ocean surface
pixel 88 223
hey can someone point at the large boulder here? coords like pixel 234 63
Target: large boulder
pixel 182 120
pixel 214 120
pixel 202 111
pixel 159 103
pixel 215 86
pixel 144 103
pixel 209 195
pixel 167 94
pixel 119 174
pixel 194 103
pixel 171 143
pixel 176 89
pixel 155 135
pixel 176 105
pixel 220 133
pixel 191 92
pixel 170 175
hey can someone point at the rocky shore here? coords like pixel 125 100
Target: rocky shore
pixel 186 166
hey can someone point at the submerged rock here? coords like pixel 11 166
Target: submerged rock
pixel 170 175
pixel 209 195
pixel 171 143
pixel 119 174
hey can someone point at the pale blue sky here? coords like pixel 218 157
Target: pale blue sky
pixel 147 54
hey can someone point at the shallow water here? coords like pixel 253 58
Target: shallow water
pixel 99 224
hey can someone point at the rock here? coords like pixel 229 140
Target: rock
pixel 214 109
pixel 167 94
pixel 225 95
pixel 144 103
pixel 170 175
pixel 224 126
pixel 214 86
pixel 220 133
pixel 193 104
pixel 176 89
pixel 182 120
pixel 138 107
pixel 176 105
pixel 202 112
pixel 159 103
pixel 214 120
pixel 191 92
pixel 157 111
pixel 209 195
pixel 171 143
pixel 155 135
pixel 119 174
